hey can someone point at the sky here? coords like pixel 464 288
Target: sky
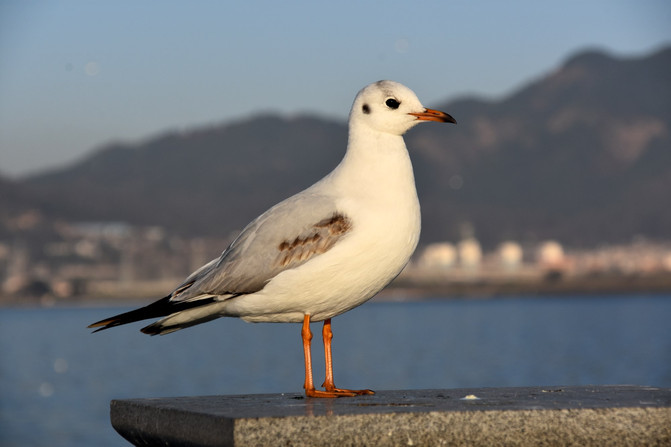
pixel 76 75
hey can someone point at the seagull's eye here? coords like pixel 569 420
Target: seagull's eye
pixel 392 103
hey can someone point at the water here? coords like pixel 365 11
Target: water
pixel 56 379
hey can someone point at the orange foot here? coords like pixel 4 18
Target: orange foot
pixel 336 392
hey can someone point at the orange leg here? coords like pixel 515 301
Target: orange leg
pixel 331 390
pixel 328 384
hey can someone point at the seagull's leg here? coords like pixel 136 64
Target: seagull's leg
pixel 327 336
pixel 329 384
pixel 307 339
pixel 309 386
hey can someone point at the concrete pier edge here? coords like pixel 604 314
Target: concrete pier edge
pixel 583 415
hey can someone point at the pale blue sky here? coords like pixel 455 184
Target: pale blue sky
pixel 77 74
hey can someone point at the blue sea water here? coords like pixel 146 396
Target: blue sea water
pixel 57 379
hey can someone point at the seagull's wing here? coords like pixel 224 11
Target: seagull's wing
pixel 284 237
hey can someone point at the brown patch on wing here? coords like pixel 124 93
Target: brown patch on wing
pixel 319 239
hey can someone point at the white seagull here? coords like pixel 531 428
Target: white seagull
pixel 323 251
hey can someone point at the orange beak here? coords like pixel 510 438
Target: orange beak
pixel 434 115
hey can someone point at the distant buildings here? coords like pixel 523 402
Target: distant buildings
pixel 54 261
pixel 62 261
pixel 511 255
pixel 466 261
pixel 438 255
pixel 470 253
pixel 550 255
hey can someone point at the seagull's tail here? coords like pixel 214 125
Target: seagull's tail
pixel 157 309
pixel 186 318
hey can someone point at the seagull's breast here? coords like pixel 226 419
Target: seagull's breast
pixel 350 273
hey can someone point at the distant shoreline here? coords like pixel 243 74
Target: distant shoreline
pixel 550 285
pixel 405 289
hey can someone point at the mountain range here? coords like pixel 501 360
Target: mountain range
pixel 581 155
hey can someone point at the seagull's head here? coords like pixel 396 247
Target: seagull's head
pixel 390 107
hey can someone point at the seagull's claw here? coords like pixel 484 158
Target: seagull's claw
pixel 336 392
pixel 348 392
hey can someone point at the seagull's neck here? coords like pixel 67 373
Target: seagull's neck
pixel 376 163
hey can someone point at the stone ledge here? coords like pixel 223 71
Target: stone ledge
pixel 588 415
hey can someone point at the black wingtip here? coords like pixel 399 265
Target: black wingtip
pixel 104 324
pixel 152 329
pixel 156 309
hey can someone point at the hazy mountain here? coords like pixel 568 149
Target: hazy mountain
pixel 16 199
pixel 210 180
pixel 582 155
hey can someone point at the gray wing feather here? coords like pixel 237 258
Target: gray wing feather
pixel 284 237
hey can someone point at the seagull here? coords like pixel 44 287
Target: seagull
pixel 321 252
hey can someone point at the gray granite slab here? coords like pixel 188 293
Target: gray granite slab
pixel 587 415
